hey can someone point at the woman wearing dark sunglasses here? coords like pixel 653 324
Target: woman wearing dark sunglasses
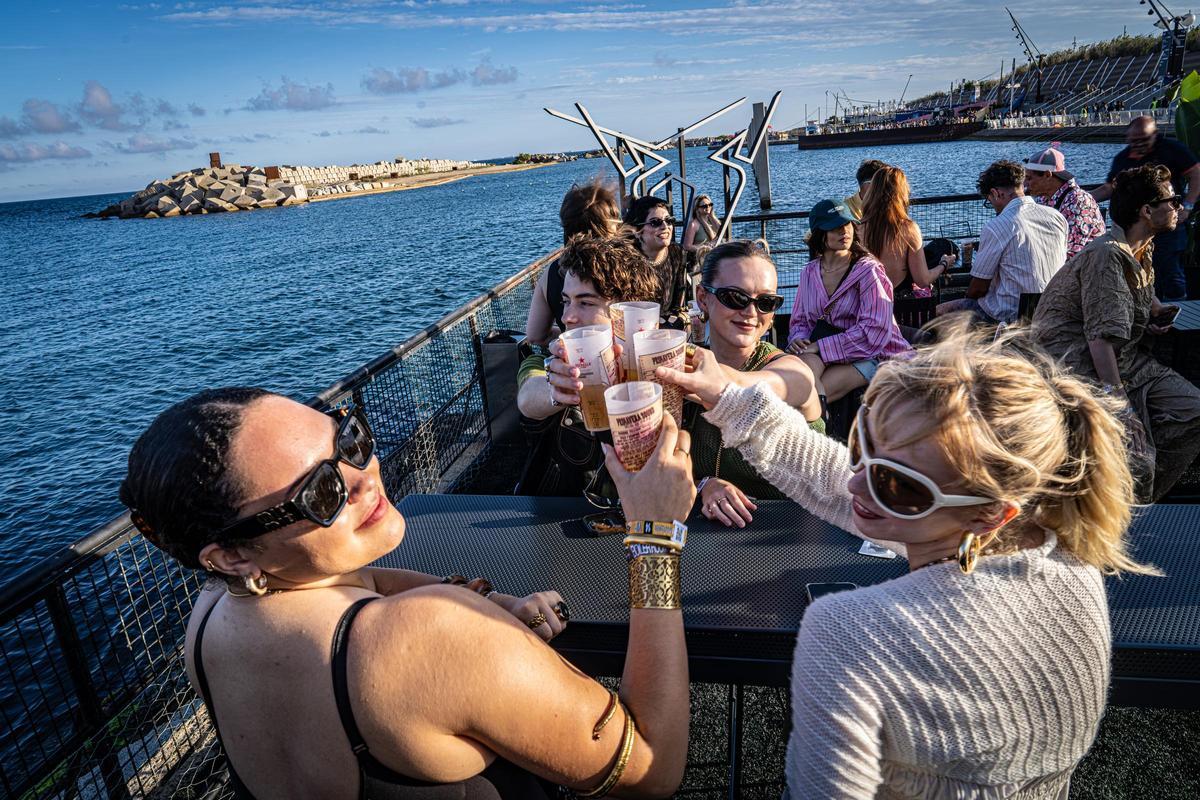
pixel 704 225
pixel 842 324
pixel 983 672
pixel 328 678
pixel 654 228
pixel 739 296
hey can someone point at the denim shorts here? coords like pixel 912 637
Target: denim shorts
pixel 867 368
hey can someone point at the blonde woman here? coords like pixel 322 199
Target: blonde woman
pixel 703 228
pixel 1003 480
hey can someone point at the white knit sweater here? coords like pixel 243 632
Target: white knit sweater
pixel 936 684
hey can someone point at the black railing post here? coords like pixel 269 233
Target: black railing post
pixel 85 691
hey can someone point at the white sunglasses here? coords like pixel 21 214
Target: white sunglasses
pixel 900 491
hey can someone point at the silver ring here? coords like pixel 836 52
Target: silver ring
pixel 547 361
pixel 724 500
pixel 554 401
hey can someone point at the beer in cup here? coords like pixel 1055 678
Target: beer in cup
pixel 589 349
pixel 662 348
pixel 635 413
pixel 628 319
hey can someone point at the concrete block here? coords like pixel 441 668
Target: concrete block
pixel 217 204
pixel 245 201
pixel 231 194
pixel 165 203
pixel 174 211
pixel 150 215
pixel 190 204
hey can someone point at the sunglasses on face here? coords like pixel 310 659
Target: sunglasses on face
pixel 736 299
pixel 704 205
pixel 1175 200
pixel 900 491
pixel 659 222
pixel 322 494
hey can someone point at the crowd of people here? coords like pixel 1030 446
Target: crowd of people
pixel 1001 460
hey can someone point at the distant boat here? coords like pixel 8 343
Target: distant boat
pixel 914 134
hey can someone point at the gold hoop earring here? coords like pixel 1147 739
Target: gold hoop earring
pixel 256 585
pixel 211 566
pixel 968 552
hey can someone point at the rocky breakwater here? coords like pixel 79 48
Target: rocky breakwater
pixel 208 190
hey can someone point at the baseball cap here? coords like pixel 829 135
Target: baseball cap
pixel 1049 160
pixel 828 215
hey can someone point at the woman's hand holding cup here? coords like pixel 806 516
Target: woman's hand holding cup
pixel 662 490
pixel 703 378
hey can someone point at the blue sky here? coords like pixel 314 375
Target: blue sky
pixel 102 97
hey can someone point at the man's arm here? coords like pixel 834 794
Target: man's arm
pixel 1103 191
pixel 978 288
pixel 1104 357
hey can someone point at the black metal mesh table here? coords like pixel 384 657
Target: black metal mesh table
pixel 744 589
pixel 1189 315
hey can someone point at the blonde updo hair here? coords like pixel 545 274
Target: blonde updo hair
pixel 1018 428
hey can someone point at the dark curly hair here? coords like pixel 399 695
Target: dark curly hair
pixel 1134 188
pixel 590 208
pixel 1000 175
pixel 614 266
pixel 640 209
pixel 178 489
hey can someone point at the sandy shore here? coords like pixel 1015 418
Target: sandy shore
pixel 431 179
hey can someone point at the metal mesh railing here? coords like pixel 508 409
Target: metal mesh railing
pixel 94 699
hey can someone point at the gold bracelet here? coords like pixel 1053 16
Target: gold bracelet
pixel 618 769
pixel 654 581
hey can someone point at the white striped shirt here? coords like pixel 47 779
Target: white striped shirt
pixel 1019 251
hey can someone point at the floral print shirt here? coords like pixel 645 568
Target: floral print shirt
pixel 1084 221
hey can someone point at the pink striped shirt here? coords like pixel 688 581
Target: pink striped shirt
pixel 861 307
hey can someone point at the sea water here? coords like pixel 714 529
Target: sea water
pixel 106 323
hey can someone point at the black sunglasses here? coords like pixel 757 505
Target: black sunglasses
pixel 1175 200
pixel 704 205
pixel 659 222
pixel 322 494
pixel 732 297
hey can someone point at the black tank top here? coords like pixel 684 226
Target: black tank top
pixel 500 781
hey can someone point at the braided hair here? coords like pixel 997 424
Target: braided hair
pixel 178 487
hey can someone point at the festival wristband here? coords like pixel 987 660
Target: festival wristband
pixel 637 549
pixel 674 532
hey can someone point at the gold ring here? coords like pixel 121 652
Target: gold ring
pixel 537 621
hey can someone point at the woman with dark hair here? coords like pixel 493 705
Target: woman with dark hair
pixel 436 688
pixel 842 324
pixel 1096 311
pixel 738 294
pixel 893 238
pixel 588 209
pixel 651 219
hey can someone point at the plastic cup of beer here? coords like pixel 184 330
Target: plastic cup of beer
pixel 662 348
pixel 589 349
pixel 628 319
pixel 635 413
